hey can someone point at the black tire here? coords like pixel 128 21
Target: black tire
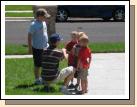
pixel 62 15
pixel 106 18
pixel 119 15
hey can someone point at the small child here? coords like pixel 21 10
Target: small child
pixel 74 53
pixel 37 41
pixel 73 41
pixel 84 59
pixel 69 46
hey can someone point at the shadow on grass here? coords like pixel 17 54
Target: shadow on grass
pixel 39 88
pixel 45 89
pixel 25 86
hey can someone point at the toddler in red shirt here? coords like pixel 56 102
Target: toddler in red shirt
pixel 84 59
pixel 72 48
pixel 70 45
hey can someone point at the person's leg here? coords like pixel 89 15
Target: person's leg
pixel 86 85
pixel 66 74
pixel 78 79
pixel 84 79
pixel 71 82
pixel 82 85
pixel 68 79
pixel 37 58
pixel 37 72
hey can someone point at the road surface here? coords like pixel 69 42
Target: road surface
pixel 98 31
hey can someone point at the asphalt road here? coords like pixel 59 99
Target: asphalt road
pixel 98 31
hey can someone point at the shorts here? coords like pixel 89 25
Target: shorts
pixel 64 73
pixel 82 74
pixel 37 56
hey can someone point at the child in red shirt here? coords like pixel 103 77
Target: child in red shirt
pixel 72 48
pixel 84 62
pixel 69 46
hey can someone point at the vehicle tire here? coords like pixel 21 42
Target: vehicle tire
pixel 106 18
pixel 62 15
pixel 119 15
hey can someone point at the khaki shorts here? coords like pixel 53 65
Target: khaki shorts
pixel 64 73
pixel 82 74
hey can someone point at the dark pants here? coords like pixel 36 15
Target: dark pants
pixel 37 56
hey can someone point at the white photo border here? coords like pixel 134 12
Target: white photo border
pixel 58 97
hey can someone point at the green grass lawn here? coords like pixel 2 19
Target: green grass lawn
pixel 19 72
pixel 19 78
pixel 18 7
pixel 19 14
pixel 11 49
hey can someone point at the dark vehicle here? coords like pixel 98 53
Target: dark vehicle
pixel 106 12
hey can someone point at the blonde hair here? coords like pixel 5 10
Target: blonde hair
pixel 80 34
pixel 84 37
pixel 74 34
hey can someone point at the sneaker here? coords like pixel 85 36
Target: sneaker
pixel 76 86
pixel 65 91
pixel 79 92
pixel 38 82
pixel 71 86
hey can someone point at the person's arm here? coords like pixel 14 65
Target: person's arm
pixel 90 58
pixel 65 53
pixel 29 43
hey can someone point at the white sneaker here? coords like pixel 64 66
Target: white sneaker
pixel 65 91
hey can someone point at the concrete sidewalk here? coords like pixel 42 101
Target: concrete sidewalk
pixel 106 74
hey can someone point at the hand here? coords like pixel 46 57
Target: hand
pixel 63 49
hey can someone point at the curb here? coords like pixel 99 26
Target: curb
pixel 19 18
pixel 18 56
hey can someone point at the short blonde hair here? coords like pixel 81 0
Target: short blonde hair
pixel 74 34
pixel 80 34
pixel 84 37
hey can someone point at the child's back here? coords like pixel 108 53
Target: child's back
pixel 69 47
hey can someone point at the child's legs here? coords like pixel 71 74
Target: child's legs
pixel 84 82
pixel 37 72
pixel 82 85
pixel 86 85
pixel 37 58
pixel 78 81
